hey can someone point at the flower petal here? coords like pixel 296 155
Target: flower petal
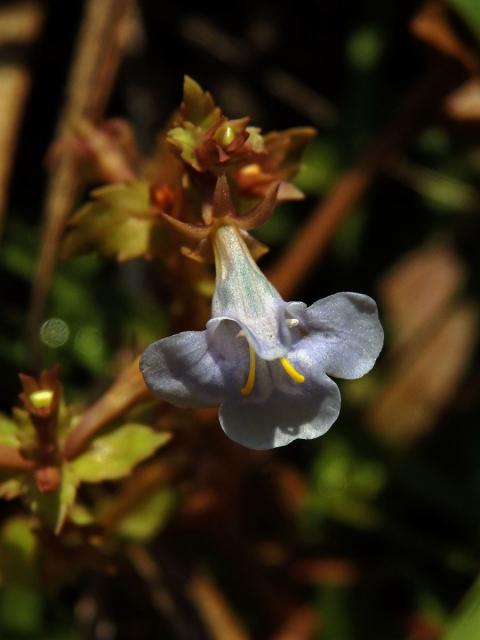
pixel 196 368
pixel 243 294
pixel 345 334
pixel 306 413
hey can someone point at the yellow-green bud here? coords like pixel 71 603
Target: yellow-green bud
pixel 228 136
pixel 41 399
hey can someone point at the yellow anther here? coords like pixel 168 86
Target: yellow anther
pixel 251 170
pixel 41 399
pixel 246 390
pixel 207 213
pixel 292 372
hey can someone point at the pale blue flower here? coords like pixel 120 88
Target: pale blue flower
pixel 265 361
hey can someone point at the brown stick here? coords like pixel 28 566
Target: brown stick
pixel 216 612
pixel 300 624
pixel 11 458
pixel 162 598
pixel 128 390
pixel 312 239
pixel 142 483
pixel 101 44
pixel 20 24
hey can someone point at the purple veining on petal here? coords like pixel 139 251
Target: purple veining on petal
pixel 347 333
pixel 196 368
pixel 243 294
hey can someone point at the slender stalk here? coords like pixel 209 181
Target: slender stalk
pixel 20 25
pixel 11 458
pixel 136 488
pixel 101 44
pixel 309 244
pixel 128 390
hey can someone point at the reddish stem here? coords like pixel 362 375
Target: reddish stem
pixel 11 458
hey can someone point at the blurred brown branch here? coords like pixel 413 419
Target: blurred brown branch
pixel 128 390
pixel 433 25
pixel 20 25
pixel 300 624
pixel 136 488
pixel 312 239
pixel 11 458
pixel 161 597
pixel 215 610
pixel 101 44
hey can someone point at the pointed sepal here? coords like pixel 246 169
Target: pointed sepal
pixel 261 212
pixel 222 198
pixel 192 231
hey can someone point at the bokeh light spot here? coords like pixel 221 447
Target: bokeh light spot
pixel 90 347
pixel 54 332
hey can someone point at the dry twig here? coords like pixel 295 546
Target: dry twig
pixel 136 488
pixel 101 45
pixel 10 458
pixel 215 610
pixel 312 239
pixel 20 25
pixel 128 390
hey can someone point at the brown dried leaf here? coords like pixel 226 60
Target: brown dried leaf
pixel 431 24
pixel 419 287
pixel 425 377
pixel 464 103
pixel 128 390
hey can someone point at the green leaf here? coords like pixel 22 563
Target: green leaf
pixel 365 47
pixel 26 433
pixel 116 453
pixel 53 507
pixel 466 623
pixel 18 549
pixel 335 603
pixel 90 348
pixel 344 487
pixel 278 228
pixel 11 486
pixel 255 139
pixel 80 515
pixel 470 12
pixel 21 610
pixel 8 432
pixel 186 138
pixel 198 106
pixel 319 168
pixel 148 517
pixel 197 115
pixel 116 224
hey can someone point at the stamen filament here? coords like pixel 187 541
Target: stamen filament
pixel 292 372
pixel 247 389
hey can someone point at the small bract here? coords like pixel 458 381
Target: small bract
pixel 266 362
